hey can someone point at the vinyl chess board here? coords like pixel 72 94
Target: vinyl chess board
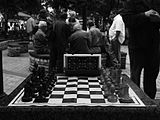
pixel 77 91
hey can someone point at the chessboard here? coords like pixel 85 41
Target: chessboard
pixel 77 91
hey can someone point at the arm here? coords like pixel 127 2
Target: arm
pixel 137 13
pixel 130 18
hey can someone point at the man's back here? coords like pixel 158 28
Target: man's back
pixel 79 42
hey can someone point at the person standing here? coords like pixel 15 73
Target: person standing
pixel 30 26
pixel 58 43
pixel 95 34
pixel 72 14
pixel 117 35
pixel 143 23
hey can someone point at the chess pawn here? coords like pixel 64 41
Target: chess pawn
pixel 41 98
pixel 35 66
pixel 118 77
pixel 41 72
pixel 106 77
pixel 113 74
pixel 102 79
pixel 108 81
pixel 104 87
pixel 112 97
pixel 107 91
pixel 107 71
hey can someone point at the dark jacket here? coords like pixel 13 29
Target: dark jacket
pixel 59 35
pixel 79 43
pixel 143 33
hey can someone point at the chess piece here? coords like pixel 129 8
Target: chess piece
pixel 104 87
pixel 35 66
pixel 27 97
pixel 102 80
pixel 107 89
pixel 124 94
pixel 41 72
pixel 40 99
pixel 112 97
pixel 118 77
pixel 42 94
pixel 115 75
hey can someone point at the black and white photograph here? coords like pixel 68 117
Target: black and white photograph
pixel 79 59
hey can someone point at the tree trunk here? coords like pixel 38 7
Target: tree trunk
pixel 84 11
pixel 5 24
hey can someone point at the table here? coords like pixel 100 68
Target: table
pixel 149 111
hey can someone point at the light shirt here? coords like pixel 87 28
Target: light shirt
pixel 117 25
pixel 30 25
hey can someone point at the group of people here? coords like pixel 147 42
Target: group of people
pixel 138 16
pixel 65 35
pixel 69 37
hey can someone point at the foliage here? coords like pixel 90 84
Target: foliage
pixel 11 7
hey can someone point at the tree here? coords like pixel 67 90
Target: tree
pixel 9 8
pixel 85 7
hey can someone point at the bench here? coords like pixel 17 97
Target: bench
pixel 23 46
pixel 41 59
pixel 13 50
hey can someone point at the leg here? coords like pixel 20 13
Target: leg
pixel 60 60
pixel 136 65
pixel 151 71
pixel 115 45
pixel 53 59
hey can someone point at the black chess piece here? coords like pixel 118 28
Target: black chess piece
pixel 35 66
pixel 27 97
pixel 41 94
pixel 40 98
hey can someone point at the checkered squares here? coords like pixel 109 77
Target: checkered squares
pixel 77 90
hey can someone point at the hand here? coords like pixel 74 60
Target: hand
pixel 155 17
pixel 151 13
pixel 115 39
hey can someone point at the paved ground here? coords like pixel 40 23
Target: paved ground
pixel 15 70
